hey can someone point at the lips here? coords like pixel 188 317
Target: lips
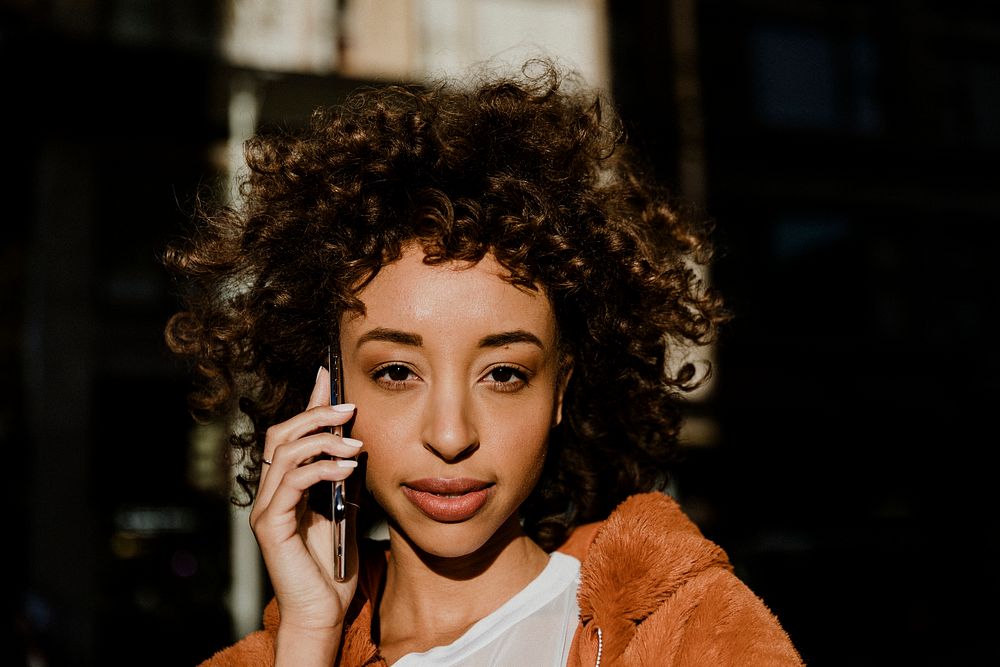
pixel 448 500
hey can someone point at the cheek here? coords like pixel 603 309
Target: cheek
pixel 383 420
pixel 385 437
pixel 521 446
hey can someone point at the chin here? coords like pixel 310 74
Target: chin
pixel 477 535
pixel 448 540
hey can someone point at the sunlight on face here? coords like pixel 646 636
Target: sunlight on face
pixel 456 377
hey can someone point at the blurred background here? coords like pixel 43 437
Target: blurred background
pixel 846 150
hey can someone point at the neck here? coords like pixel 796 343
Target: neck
pixel 432 600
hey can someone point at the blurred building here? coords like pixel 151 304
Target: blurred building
pixel 846 150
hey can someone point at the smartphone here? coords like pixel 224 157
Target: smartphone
pixel 338 498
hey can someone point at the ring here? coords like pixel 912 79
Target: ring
pixel 265 461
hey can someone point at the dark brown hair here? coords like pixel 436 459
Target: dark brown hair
pixel 531 168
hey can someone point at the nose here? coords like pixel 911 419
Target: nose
pixel 448 428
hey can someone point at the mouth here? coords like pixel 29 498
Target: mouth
pixel 448 500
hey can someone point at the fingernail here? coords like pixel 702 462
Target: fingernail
pixel 347 463
pixel 353 443
pixel 319 372
pixel 344 407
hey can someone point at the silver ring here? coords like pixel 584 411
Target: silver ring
pixel 265 461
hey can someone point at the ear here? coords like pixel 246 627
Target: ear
pixel 565 372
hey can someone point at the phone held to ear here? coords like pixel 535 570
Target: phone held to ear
pixel 338 497
pixel 329 499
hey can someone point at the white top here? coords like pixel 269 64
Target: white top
pixel 535 627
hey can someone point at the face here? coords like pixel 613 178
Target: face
pixel 456 378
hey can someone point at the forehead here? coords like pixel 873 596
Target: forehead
pixel 442 298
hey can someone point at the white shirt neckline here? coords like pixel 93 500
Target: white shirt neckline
pixel 550 598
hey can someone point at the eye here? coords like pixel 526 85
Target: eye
pixel 393 376
pixel 506 378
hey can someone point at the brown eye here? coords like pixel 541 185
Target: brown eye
pixel 502 374
pixel 506 378
pixel 397 373
pixel 394 376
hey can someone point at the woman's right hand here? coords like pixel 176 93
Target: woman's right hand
pixel 296 542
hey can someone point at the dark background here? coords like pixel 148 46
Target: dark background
pixel 847 152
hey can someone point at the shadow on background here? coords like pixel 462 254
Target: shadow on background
pixel 847 154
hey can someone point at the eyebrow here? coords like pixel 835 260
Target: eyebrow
pixel 415 340
pixel 391 336
pixel 508 337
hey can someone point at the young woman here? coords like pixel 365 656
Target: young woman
pixel 508 297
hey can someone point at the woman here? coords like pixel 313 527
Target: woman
pixel 508 296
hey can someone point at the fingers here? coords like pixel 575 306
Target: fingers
pixel 304 423
pixel 285 498
pixel 302 452
pixel 318 416
pixel 297 452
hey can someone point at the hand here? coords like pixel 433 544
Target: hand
pixel 297 543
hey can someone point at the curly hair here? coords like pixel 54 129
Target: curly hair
pixel 532 168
